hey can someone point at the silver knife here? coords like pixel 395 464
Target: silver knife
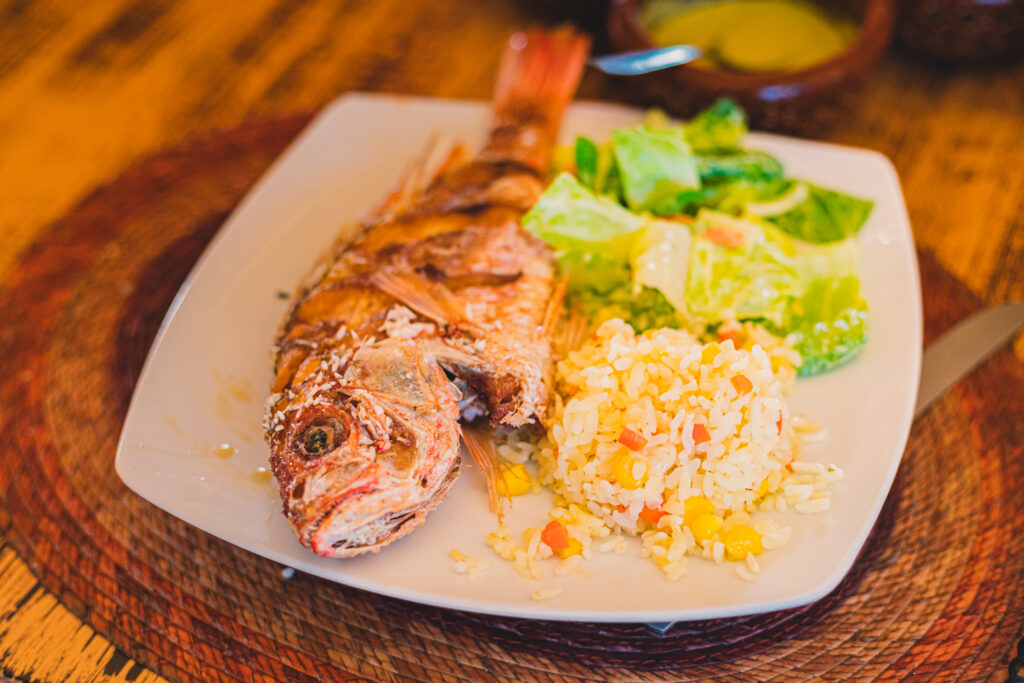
pixel 963 348
pixel 958 351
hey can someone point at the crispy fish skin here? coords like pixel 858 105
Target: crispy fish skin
pixel 439 302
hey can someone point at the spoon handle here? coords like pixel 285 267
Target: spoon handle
pixel 646 61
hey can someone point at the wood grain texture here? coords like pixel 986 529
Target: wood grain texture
pixel 87 88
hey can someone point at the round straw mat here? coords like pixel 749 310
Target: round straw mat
pixel 937 593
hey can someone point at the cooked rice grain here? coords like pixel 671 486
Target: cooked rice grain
pixel 546 593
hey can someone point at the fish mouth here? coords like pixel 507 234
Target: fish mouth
pixel 366 519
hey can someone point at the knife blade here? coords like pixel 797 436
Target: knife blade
pixel 964 347
pixel 948 359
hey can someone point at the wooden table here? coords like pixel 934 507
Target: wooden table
pixel 86 88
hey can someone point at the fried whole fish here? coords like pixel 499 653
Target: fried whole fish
pixel 440 309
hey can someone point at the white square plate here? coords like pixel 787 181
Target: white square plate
pixel 204 384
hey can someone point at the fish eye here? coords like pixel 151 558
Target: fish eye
pixel 319 437
pixel 316 440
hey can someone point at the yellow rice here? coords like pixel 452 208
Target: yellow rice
pixel 662 385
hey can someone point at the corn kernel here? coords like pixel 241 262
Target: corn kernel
pixel 694 507
pixel 705 526
pixel 622 472
pixel 707 355
pixel 514 481
pixel 574 548
pixel 762 489
pixel 740 540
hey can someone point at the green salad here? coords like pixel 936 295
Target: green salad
pixel 681 225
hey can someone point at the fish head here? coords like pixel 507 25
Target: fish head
pixel 369 453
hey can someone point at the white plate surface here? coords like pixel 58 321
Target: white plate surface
pixel 204 384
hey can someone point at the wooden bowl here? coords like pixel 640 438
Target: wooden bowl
pixel 803 101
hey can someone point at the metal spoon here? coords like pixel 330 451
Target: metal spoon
pixel 645 61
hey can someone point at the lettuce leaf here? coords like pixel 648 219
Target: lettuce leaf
pixel 754 280
pixel 828 320
pixel 592 268
pixel 688 202
pixel 595 167
pixel 659 260
pixel 763 247
pixel 593 236
pixel 587 154
pixel 644 309
pixel 748 165
pixel 653 165
pixel 828 325
pixel 727 197
pixel 571 218
pixel 824 216
pixel 721 127
pixel 618 262
pixel 809 291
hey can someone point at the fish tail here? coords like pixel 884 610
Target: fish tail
pixel 537 78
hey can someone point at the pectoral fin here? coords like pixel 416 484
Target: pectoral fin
pixel 480 445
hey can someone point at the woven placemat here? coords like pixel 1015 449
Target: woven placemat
pixel 937 593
